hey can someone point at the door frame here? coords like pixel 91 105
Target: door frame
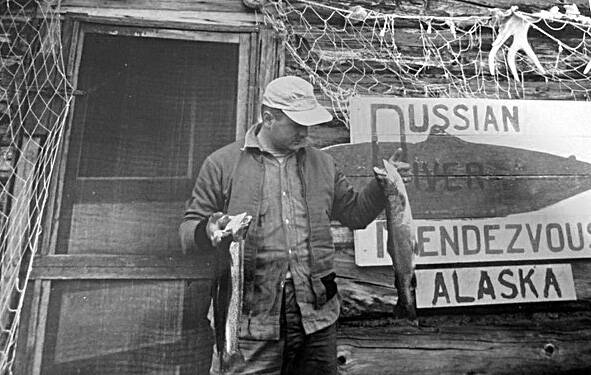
pixel 260 61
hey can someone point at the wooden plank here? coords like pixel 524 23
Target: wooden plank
pixel 498 343
pixel 65 267
pixel 226 21
pixel 268 64
pixel 245 78
pixel 181 5
pixel 253 110
pixel 51 224
pixel 71 55
pixel 147 32
pixel 444 7
pixel 40 327
pixel 32 316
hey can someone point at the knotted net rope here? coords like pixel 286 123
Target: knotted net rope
pixel 34 100
pixel 358 51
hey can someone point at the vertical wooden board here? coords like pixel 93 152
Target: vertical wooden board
pixel 245 76
pixel 38 335
pixel 70 37
pixel 269 60
pixel 26 335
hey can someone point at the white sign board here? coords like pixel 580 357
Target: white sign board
pixel 494 285
pixel 483 240
pixel 493 180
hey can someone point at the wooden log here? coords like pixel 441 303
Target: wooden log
pixel 201 20
pixel 181 5
pixel 349 52
pixel 451 7
pixel 494 343
pixel 72 267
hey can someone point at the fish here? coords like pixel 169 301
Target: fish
pixel 401 243
pixel 228 291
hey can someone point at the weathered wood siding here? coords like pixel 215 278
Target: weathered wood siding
pixel 541 338
pixel 231 14
pixel 535 338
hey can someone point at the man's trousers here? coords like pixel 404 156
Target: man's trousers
pixel 295 352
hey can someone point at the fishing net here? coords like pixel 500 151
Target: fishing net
pixel 33 104
pixel 359 51
pixel 344 52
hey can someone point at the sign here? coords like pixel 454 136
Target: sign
pixel 483 240
pixel 493 180
pixel 494 285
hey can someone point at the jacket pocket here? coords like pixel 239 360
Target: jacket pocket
pixel 330 285
pixel 324 289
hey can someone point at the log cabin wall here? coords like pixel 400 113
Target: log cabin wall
pixel 523 338
pixel 534 338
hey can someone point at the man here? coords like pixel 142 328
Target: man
pixel 292 191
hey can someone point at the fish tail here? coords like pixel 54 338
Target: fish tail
pixel 230 360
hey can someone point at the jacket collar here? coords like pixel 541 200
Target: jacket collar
pixel 251 140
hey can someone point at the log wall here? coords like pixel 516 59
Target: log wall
pixel 532 338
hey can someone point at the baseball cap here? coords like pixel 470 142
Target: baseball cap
pixel 295 97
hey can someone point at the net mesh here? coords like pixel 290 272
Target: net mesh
pixel 345 52
pixel 358 51
pixel 34 101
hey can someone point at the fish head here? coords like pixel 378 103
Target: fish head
pixel 391 171
pixel 390 179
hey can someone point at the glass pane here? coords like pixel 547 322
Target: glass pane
pixel 127 327
pixel 153 109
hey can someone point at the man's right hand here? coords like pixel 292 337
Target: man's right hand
pixel 215 226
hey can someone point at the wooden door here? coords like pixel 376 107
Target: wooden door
pixel 113 291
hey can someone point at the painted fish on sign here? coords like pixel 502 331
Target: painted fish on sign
pixel 454 178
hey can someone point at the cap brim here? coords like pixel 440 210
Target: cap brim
pixel 316 116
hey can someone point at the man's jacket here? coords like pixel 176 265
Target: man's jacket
pixel 231 181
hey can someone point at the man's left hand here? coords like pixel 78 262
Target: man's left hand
pixel 402 167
